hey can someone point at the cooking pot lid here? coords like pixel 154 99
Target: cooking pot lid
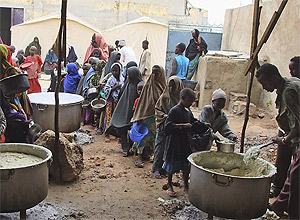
pixel 49 98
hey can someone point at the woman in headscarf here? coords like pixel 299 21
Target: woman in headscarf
pixel 72 79
pixel 145 111
pixel 196 48
pixel 35 43
pixel 114 57
pixel 20 56
pixel 111 91
pixel 50 62
pixel 166 101
pixel 120 120
pixel 130 64
pixel 72 57
pixel 4 65
pixel 90 73
pixel 97 42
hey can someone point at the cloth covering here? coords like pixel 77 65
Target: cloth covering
pixel 218 94
pixel 72 79
pixel 35 68
pixel 167 100
pixel 177 147
pixel 151 92
pixel 110 62
pixel 127 55
pixel 36 44
pixel 112 82
pixel 123 111
pixel 145 63
pixel 193 64
pixel 102 45
pixel 51 58
pixel 72 56
pixel 86 82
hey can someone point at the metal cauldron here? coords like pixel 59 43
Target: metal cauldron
pixel 24 187
pixel 70 107
pixel 224 195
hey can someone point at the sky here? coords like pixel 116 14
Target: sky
pixel 216 8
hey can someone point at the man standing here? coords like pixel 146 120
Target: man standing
pixel 288 119
pixel 127 53
pixel 180 63
pixel 33 65
pixel 145 61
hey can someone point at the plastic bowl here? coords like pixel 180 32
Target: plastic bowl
pixel 138 132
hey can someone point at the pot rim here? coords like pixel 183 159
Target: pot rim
pixel 49 154
pixel 52 95
pixel 272 172
pixel 13 76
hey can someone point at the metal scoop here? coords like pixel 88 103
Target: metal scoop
pixel 253 152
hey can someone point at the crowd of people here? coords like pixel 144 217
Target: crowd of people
pixel 141 94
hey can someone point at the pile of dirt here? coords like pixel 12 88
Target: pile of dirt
pixel 70 155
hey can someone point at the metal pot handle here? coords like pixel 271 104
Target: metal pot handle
pixel 219 183
pixel 8 176
pixel 41 107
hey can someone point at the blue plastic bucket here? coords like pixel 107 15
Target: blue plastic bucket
pixel 138 132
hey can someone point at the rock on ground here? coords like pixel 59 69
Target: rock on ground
pixel 70 155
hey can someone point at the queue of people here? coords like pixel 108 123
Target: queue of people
pixel 141 94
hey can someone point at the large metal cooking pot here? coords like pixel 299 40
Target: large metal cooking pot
pixel 224 195
pixel 24 187
pixel 14 84
pixel 70 107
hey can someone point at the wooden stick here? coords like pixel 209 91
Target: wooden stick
pixel 266 35
pixel 56 115
pixel 255 27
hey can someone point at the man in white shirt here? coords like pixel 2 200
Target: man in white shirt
pixel 127 53
pixel 145 61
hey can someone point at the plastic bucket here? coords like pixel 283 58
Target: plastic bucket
pixel 138 132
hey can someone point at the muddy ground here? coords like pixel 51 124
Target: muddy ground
pixel 111 187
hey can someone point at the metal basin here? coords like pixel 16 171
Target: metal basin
pixel 228 196
pixel 98 105
pixel 70 107
pixel 24 187
pixel 227 147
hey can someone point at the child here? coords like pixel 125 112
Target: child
pixel 177 148
pixel 139 91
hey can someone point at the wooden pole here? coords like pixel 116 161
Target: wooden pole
pixel 255 27
pixel 56 115
pixel 266 35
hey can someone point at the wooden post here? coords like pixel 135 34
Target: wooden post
pixel 254 53
pixel 56 115
pixel 255 27
pixel 266 34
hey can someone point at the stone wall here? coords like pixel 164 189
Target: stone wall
pixel 283 44
pixel 109 13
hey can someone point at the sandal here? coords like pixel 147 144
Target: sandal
pixel 125 154
pixel 107 140
pixel 139 164
pixel 274 192
pixel 171 193
pixel 157 175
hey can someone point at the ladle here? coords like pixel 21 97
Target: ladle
pixel 253 152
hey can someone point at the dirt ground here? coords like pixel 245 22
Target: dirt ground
pixel 111 187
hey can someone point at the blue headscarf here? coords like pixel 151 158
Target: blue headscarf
pixel 50 57
pixel 72 57
pixel 87 77
pixel 72 79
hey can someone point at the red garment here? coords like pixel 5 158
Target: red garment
pixel 9 58
pixel 35 86
pixel 35 68
pixel 135 103
pixel 288 199
pixel 102 45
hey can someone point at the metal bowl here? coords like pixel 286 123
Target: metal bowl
pixel 225 146
pixel 98 105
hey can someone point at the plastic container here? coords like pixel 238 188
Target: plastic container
pixel 138 132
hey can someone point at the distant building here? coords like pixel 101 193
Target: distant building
pixel 103 14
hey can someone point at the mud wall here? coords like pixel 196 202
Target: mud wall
pixel 225 73
pixel 283 44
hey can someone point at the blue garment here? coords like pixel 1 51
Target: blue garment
pixel 72 79
pixel 182 66
pixel 72 57
pixel 87 78
pixel 50 58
